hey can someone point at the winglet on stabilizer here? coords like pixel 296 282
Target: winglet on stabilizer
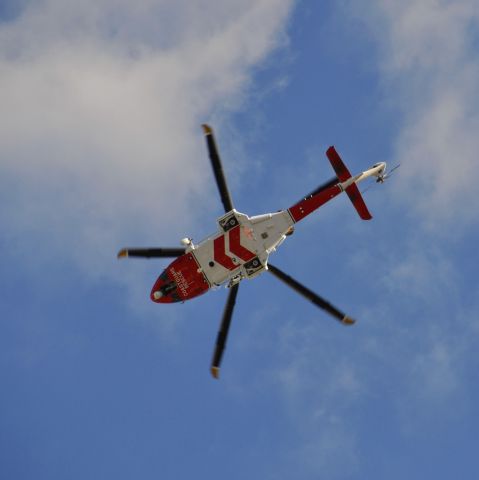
pixel 352 190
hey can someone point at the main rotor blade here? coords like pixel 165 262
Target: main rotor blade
pixel 223 331
pixel 151 252
pixel 218 168
pixel 310 295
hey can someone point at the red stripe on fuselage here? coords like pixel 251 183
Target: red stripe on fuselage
pixel 235 246
pixel 220 254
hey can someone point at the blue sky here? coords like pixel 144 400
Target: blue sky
pixel 101 147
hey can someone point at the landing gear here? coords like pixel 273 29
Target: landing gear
pixel 235 280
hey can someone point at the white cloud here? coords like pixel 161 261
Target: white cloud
pixel 101 106
pixel 435 372
pixel 320 387
pixel 333 449
pixel 427 59
pixel 423 274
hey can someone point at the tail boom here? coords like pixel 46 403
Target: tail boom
pixel 345 183
pixel 310 204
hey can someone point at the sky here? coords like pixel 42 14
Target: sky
pixel 101 148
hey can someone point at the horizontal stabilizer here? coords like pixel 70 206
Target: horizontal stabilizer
pixel 352 190
pixel 341 170
pixel 356 198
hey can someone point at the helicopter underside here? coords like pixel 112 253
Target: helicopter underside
pixel 242 245
pixel 240 249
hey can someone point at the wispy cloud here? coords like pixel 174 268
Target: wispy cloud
pixel 427 60
pixel 101 106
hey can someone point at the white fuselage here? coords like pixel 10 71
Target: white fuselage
pixel 375 171
pixel 242 250
pixel 242 245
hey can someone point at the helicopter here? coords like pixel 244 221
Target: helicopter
pixel 242 244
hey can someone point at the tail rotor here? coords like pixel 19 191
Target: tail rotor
pixel 384 175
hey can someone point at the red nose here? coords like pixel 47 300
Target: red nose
pixel 181 280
